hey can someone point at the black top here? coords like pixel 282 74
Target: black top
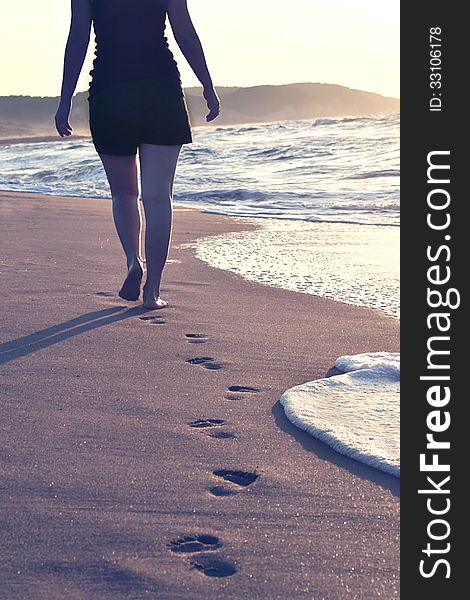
pixel 130 42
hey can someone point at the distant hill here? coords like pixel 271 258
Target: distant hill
pixel 22 116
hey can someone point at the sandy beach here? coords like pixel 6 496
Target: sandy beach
pixel 104 472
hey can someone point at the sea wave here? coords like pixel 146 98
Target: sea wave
pixel 286 170
pixel 374 174
pixel 319 122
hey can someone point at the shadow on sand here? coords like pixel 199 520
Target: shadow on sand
pixel 43 338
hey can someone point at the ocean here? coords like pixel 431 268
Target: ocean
pixel 324 195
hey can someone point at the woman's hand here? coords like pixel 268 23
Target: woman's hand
pixel 62 118
pixel 213 103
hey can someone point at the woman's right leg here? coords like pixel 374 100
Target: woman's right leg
pixel 122 176
pixel 157 171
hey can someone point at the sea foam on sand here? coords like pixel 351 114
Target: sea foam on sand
pixel 356 412
pixel 355 264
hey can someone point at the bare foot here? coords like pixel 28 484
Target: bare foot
pixel 152 301
pixel 131 287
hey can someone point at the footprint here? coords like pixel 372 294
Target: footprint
pixel 202 423
pixel 212 366
pixel 220 490
pixel 195 543
pixel 236 392
pixel 213 566
pixel 196 338
pixel 222 435
pixel 153 320
pixel 242 478
pixel 200 360
pixel 205 361
pixel 233 397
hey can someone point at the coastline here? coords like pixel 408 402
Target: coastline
pixel 104 469
pixel 40 138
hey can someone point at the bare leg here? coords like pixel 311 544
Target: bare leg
pixel 157 170
pixel 123 180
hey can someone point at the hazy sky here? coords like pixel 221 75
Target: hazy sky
pixel 246 42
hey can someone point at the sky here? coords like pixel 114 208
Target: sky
pixel 246 43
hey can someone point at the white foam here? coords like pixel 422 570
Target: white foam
pixel 385 362
pixel 356 413
pixel 355 264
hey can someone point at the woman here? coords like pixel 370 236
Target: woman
pixel 136 100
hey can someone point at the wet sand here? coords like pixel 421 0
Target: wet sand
pixel 114 485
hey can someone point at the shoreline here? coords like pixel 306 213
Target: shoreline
pixel 98 434
pixel 303 248
pixel 41 138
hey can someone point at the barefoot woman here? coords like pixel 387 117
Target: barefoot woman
pixel 136 101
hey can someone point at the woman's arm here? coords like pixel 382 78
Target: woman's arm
pixel 75 52
pixel 190 45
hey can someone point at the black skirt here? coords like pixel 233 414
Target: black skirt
pixel 144 111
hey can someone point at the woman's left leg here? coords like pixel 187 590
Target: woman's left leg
pixel 157 172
